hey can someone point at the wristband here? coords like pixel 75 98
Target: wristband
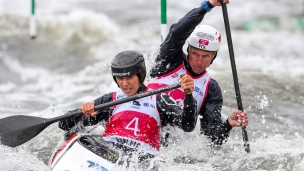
pixel 206 5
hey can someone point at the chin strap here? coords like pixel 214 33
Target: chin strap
pixel 213 59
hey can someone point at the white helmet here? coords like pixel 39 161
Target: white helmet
pixel 205 37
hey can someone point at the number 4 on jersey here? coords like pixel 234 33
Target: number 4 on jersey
pixel 133 125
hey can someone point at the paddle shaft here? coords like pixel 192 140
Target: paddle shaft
pixel 234 73
pixel 116 102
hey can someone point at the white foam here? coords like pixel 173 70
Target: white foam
pixel 274 53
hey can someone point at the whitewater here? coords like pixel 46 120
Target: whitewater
pixel 68 64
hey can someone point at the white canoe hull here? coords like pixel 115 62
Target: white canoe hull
pixel 75 155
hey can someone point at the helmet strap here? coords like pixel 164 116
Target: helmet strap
pixel 213 59
pixel 116 81
pixel 139 77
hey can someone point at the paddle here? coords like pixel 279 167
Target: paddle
pixel 16 130
pixel 234 73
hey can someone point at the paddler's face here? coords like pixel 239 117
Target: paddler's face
pixel 199 59
pixel 129 85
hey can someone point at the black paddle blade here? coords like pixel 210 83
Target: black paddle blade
pixel 16 130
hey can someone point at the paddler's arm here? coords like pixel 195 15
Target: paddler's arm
pixel 172 114
pixel 189 116
pixel 171 53
pixel 103 114
pixel 211 120
pixel 67 124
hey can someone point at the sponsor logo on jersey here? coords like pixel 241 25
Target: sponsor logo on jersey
pixel 148 105
pixel 174 75
pixel 120 96
pixel 196 89
pixel 136 103
pixel 128 142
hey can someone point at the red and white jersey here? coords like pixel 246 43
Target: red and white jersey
pixel 135 124
pixel 201 85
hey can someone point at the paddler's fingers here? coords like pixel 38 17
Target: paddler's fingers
pixel 87 108
pixel 238 118
pixel 94 113
pixel 187 83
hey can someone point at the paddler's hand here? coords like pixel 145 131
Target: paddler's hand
pixel 88 109
pixel 217 2
pixel 238 118
pixel 187 83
